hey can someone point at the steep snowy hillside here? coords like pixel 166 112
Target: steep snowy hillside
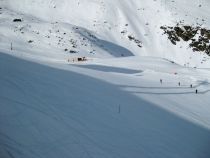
pixel 105 28
pixel 99 111
pixel 100 79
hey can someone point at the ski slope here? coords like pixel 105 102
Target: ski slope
pixel 112 105
pixel 58 110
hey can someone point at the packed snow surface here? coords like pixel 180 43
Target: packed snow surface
pixel 133 96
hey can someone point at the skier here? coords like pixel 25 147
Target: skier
pixel 191 86
pixel 179 84
pixel 196 91
pixel 161 81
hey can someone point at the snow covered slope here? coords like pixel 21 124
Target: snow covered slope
pixel 111 105
pixel 56 110
pixel 104 27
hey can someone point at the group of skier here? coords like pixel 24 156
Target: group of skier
pixel 179 83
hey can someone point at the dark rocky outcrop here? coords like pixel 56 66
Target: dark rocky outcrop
pixel 198 37
pixel 137 41
pixel 17 20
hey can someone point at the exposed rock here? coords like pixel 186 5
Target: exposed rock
pixel 30 41
pixel 17 20
pixel 199 37
pixel 73 51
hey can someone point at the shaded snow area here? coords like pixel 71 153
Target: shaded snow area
pixel 99 79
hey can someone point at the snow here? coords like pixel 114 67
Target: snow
pixel 104 20
pixel 53 112
pixel 112 105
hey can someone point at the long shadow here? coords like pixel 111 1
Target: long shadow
pixel 166 93
pixel 112 48
pixel 191 90
pixel 156 87
pixel 110 69
pixel 57 113
pixel 199 83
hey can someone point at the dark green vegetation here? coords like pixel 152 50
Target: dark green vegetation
pixel 198 37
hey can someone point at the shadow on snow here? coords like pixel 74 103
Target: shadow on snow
pixel 47 112
pixel 110 69
pixel 112 48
